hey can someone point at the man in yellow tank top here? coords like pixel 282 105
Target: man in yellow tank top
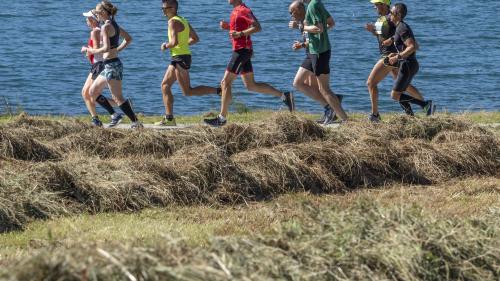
pixel 180 36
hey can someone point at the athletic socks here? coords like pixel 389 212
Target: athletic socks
pixel 169 117
pixel 127 109
pixel 103 101
pixel 407 98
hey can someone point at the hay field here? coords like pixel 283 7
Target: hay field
pixel 263 200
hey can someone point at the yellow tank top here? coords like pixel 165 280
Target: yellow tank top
pixel 182 47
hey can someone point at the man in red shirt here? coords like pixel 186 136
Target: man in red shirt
pixel 243 24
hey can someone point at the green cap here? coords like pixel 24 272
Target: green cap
pixel 387 2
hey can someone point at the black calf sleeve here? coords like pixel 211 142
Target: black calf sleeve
pixel 127 109
pixel 103 101
pixel 407 98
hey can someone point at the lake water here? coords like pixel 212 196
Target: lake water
pixel 42 70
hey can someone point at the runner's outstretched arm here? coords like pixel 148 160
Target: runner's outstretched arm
pixel 193 36
pixel 127 39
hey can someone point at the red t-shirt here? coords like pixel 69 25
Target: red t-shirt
pixel 241 19
pixel 91 45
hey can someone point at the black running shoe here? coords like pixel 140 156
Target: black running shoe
pixel 288 100
pixel 215 122
pixel 406 106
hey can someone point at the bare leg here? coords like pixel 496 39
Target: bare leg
pixel 226 85
pixel 330 97
pixel 166 90
pixel 97 87
pixel 306 82
pixel 263 88
pixel 185 84
pixel 379 72
pixel 89 102
pixel 115 87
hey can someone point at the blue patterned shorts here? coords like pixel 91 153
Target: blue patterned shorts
pixel 113 70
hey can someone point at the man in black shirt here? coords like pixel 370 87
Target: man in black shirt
pixel 383 29
pixel 406 47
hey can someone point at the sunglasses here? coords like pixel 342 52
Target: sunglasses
pixel 166 8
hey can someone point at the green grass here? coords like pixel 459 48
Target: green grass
pixel 464 199
pixel 483 117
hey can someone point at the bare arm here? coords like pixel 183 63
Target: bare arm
pixel 174 27
pixel 127 39
pixel 193 36
pixel 411 47
pixel 318 28
pixel 254 28
pixel 105 41
pixel 330 22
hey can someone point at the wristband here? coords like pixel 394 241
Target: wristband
pixel 242 33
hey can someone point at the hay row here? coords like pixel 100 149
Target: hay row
pixel 363 242
pixel 229 166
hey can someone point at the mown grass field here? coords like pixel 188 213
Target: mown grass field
pixel 272 197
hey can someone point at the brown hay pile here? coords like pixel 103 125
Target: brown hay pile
pixel 20 145
pixel 96 170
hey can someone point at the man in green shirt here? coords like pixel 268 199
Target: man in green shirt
pixel 316 24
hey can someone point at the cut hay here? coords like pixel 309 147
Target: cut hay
pixel 96 170
pixel 362 242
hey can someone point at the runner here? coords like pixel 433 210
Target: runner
pixel 112 74
pixel 317 23
pixel 384 29
pixel 405 47
pixel 180 36
pixel 243 24
pixel 305 80
pixel 96 69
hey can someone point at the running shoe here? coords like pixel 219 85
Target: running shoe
pixel 375 118
pixel 332 117
pixel 406 106
pixel 215 122
pixel 429 108
pixel 136 125
pixel 115 120
pixel 287 99
pixel 328 111
pixel 166 122
pixel 96 122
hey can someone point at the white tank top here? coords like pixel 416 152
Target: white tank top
pixel 98 57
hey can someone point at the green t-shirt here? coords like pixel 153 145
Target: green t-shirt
pixel 318 42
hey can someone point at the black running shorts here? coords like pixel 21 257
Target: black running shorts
pixel 407 70
pixel 96 69
pixel 183 60
pixel 318 64
pixel 240 62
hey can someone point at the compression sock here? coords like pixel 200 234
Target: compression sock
pixel 127 109
pixel 407 98
pixel 103 101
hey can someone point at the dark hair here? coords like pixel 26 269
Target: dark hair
pixel 174 2
pixel 402 10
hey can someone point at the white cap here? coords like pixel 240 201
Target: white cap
pixel 90 14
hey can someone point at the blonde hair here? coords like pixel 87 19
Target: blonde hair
pixel 107 6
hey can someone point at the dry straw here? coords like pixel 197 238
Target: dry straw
pixel 54 168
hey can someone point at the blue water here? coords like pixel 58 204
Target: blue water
pixel 42 70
